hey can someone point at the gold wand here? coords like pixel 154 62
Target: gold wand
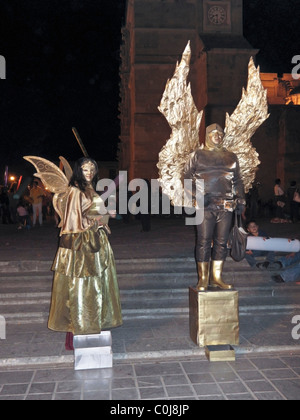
pixel 77 136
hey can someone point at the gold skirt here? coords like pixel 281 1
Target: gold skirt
pixel 85 294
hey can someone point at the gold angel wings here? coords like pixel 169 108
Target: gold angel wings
pixel 250 113
pixel 53 178
pixel 178 107
pixel 50 174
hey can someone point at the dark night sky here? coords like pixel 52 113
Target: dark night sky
pixel 273 27
pixel 62 66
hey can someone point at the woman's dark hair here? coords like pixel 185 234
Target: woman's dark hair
pixel 77 179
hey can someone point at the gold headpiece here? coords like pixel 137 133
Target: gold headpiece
pixel 214 127
pixel 88 165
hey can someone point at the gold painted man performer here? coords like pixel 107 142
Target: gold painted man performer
pixel 223 193
pixel 227 164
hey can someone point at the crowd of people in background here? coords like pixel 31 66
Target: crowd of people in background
pixel 28 209
pixel 284 207
pixel 34 206
pixel 286 204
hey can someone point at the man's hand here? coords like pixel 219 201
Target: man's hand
pixel 112 213
pixel 99 220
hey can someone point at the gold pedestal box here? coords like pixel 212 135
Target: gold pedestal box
pixel 220 353
pixel 214 317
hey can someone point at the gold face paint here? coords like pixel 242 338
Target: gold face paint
pixel 88 171
pixel 216 137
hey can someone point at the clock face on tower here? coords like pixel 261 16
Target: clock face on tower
pixel 217 15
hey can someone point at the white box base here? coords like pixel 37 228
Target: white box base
pixel 93 351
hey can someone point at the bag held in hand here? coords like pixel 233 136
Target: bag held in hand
pixel 237 240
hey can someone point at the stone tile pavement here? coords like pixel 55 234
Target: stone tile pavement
pixel 255 375
pixel 250 377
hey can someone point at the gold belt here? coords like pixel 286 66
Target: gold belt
pixel 224 204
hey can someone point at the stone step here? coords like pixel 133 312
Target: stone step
pixel 37 285
pixel 135 268
pixel 123 265
pixel 34 307
pixel 149 288
pixel 136 289
pixel 261 291
pixel 246 312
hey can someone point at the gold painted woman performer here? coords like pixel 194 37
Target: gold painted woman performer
pixel 85 295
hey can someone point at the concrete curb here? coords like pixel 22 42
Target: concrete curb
pixel 67 361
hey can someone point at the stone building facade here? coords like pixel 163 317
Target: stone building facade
pixel 154 37
pixel 278 139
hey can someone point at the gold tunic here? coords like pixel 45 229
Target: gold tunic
pixel 85 295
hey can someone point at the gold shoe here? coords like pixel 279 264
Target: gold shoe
pixel 203 276
pixel 216 276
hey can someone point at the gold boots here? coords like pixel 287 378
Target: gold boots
pixel 216 276
pixel 203 276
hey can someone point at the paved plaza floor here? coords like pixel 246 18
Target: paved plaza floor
pixel 250 377
pixel 154 358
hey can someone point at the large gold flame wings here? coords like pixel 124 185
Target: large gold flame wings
pixel 178 107
pixel 250 113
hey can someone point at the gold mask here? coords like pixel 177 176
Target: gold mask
pixel 88 171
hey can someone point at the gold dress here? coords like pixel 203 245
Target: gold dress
pixel 85 295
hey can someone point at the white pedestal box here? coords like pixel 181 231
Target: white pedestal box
pixel 93 351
